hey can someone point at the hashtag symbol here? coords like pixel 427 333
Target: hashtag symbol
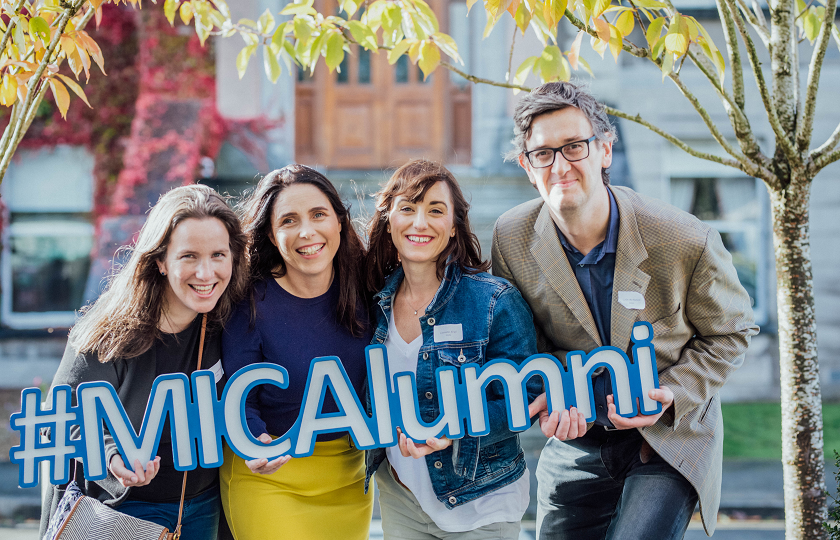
pixel 32 450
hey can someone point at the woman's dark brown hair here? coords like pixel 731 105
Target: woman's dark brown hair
pixel 412 181
pixel 266 261
pixel 123 323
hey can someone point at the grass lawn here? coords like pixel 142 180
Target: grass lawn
pixel 753 430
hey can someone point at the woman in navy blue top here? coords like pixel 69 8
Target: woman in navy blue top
pixel 305 302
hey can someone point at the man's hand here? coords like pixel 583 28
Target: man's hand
pixel 130 478
pixel 409 448
pixel 262 465
pixel 566 425
pixel 663 395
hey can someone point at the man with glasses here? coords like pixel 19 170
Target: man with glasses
pixel 591 259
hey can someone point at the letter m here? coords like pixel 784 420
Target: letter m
pixel 99 401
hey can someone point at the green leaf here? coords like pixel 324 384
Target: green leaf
pixel 667 64
pixel 391 18
pixel 398 50
pixel 657 48
pixel 713 53
pixel 373 14
pixel 265 24
pixel 335 50
pixel 303 29
pixel 448 46
pixel 39 27
pixel 654 31
pixel 429 58
pixel 363 35
pixel 550 65
pixel 523 70
pixel 676 40
pixel 170 9
pixel 271 65
pixel 350 7
pixel 811 23
pixel 427 16
pixel 586 67
pixel 243 58
pixel 318 47
pixel 20 40
pixel 522 17
pixel 650 4
pixel 304 8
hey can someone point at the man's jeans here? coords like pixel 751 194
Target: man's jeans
pixel 200 520
pixel 597 487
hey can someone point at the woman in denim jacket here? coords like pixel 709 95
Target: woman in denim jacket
pixel 437 307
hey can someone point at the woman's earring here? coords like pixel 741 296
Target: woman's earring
pixel 163 273
pixel 388 229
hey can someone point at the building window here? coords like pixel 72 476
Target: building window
pixel 736 208
pixel 48 242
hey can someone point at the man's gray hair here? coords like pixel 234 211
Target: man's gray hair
pixel 554 96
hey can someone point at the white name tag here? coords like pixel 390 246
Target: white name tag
pixel 631 299
pixel 449 332
pixel 217 370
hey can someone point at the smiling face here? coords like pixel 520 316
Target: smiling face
pixel 421 230
pixel 567 187
pixel 198 265
pixel 306 231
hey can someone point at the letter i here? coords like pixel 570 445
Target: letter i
pixel 645 358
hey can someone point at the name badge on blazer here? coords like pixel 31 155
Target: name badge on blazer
pixel 449 332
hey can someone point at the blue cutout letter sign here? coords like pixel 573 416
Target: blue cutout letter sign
pixel 199 421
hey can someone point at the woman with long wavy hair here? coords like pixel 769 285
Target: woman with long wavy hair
pixel 187 270
pixel 305 302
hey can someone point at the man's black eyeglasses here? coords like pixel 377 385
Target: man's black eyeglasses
pixel 574 151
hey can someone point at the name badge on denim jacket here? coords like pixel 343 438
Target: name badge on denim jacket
pixel 449 332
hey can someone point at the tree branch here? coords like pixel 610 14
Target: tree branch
pixel 479 80
pixel 710 124
pixel 826 160
pixel 734 50
pixel 827 146
pixel 628 46
pixel 740 123
pixel 510 56
pixel 755 64
pixel 806 121
pixel 748 168
pixel 760 28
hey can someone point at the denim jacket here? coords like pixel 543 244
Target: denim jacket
pixel 496 323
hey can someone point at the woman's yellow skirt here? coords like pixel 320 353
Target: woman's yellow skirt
pixel 320 497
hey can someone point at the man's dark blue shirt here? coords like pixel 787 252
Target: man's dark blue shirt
pixel 594 272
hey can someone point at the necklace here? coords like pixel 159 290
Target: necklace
pixel 426 304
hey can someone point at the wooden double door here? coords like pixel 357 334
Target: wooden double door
pixel 375 115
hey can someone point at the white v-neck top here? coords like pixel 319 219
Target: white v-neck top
pixel 505 504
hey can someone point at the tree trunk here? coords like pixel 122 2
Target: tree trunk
pixel 802 438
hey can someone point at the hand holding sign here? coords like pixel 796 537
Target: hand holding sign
pixel 663 395
pixel 262 465
pixel 566 425
pixel 409 448
pixel 137 477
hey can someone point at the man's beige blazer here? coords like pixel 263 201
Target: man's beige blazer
pixel 701 316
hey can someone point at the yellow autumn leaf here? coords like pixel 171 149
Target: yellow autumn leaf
pixel 75 87
pixel 625 23
pixel 62 97
pixel 429 58
pixel 8 90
